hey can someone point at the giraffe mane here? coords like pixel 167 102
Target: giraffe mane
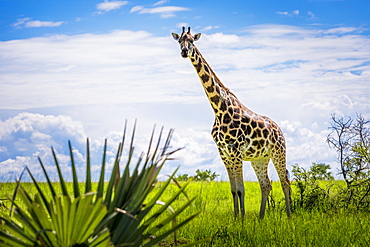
pixel 214 74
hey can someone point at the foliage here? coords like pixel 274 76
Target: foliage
pixel 311 195
pixel 55 223
pixel 318 171
pixel 206 175
pixel 183 177
pixel 351 140
pixel 121 214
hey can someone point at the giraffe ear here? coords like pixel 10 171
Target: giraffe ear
pixel 196 36
pixel 175 36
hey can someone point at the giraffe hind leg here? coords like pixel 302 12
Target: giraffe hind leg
pixel 280 166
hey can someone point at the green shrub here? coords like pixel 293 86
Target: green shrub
pixel 311 194
pixel 206 175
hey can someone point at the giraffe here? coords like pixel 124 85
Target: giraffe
pixel 239 133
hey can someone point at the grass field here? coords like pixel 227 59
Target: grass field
pixel 217 225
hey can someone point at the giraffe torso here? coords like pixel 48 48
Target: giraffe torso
pixel 243 134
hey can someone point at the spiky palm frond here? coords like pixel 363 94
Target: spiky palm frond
pixel 113 215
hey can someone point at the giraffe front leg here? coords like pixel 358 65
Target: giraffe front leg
pixel 234 189
pixel 234 167
pixel 241 193
pixel 235 173
pixel 260 168
pixel 235 201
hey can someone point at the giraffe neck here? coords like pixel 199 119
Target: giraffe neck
pixel 216 92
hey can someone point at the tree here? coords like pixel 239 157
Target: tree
pixel 182 177
pixel 206 175
pixel 320 171
pixel 351 140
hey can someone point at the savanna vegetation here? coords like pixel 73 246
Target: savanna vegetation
pixel 134 209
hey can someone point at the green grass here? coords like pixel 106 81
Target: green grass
pixel 217 224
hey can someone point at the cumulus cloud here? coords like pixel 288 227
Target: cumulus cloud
pixel 27 136
pixel 29 23
pixel 305 145
pixel 297 76
pixel 107 6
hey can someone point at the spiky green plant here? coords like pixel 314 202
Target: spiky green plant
pixel 115 215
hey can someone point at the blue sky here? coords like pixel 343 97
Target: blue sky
pixel 30 18
pixel 72 69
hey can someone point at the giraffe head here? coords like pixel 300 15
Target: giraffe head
pixel 186 41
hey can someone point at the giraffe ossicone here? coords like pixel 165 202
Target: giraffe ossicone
pixel 239 133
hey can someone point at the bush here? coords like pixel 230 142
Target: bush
pixel 206 175
pixel 311 195
pixel 183 177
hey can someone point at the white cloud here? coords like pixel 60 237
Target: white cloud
pixel 311 15
pixel 28 136
pixel 107 6
pixel 297 76
pixel 286 13
pixel 160 2
pixel 282 12
pixel 342 30
pixel 43 24
pixel 159 10
pixel 164 12
pixel 305 145
pixel 210 28
pixel 136 8
pixel 29 23
pixel 21 21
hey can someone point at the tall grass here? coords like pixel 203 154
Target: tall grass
pixel 217 224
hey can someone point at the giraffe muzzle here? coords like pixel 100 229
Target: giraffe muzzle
pixel 184 53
